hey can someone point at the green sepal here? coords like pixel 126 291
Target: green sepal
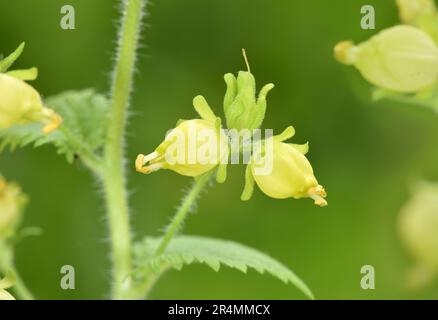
pixel 249 185
pixel 9 60
pixel 203 109
pixel 230 93
pixel 221 174
pixel 287 133
pixel 25 74
pixel 302 148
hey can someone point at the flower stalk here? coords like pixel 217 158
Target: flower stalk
pixel 188 202
pixel 114 177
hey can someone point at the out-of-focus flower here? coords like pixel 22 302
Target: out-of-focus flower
pixel 422 14
pixel 12 202
pixel 418 225
pixel 21 104
pixel 412 10
pixel 402 59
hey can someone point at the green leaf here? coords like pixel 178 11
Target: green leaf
pixel 82 132
pixel 84 113
pixel 213 252
pixel 23 135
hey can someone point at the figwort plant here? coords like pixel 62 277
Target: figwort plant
pixel 90 127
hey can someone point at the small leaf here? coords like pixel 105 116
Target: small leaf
pixel 214 253
pixel 84 114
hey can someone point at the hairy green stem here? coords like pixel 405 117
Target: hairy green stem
pixel 114 177
pixel 142 289
pixel 183 210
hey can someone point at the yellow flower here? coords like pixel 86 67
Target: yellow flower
pixel 402 58
pixel 21 104
pixel 12 201
pixel 192 148
pixel 283 171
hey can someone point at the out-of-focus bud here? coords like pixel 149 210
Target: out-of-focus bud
pixel 420 13
pixel 191 149
pixel 418 225
pixel 412 10
pixel 12 202
pixel 21 104
pixel 402 59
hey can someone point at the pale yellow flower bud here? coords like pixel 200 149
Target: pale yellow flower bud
pixel 12 201
pixel 191 149
pixel 291 174
pixel 21 104
pixel 401 58
pixel 418 225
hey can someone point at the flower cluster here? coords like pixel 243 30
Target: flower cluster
pixel 20 103
pixel 206 146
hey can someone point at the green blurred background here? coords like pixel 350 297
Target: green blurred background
pixel 366 154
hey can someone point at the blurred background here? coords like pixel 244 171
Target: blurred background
pixel 366 154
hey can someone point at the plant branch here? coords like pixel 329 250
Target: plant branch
pixel 114 178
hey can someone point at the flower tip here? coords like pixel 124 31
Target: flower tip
pixel 343 53
pixel 139 164
pixel 321 202
pixel 54 121
pixel 318 194
pixel 142 160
